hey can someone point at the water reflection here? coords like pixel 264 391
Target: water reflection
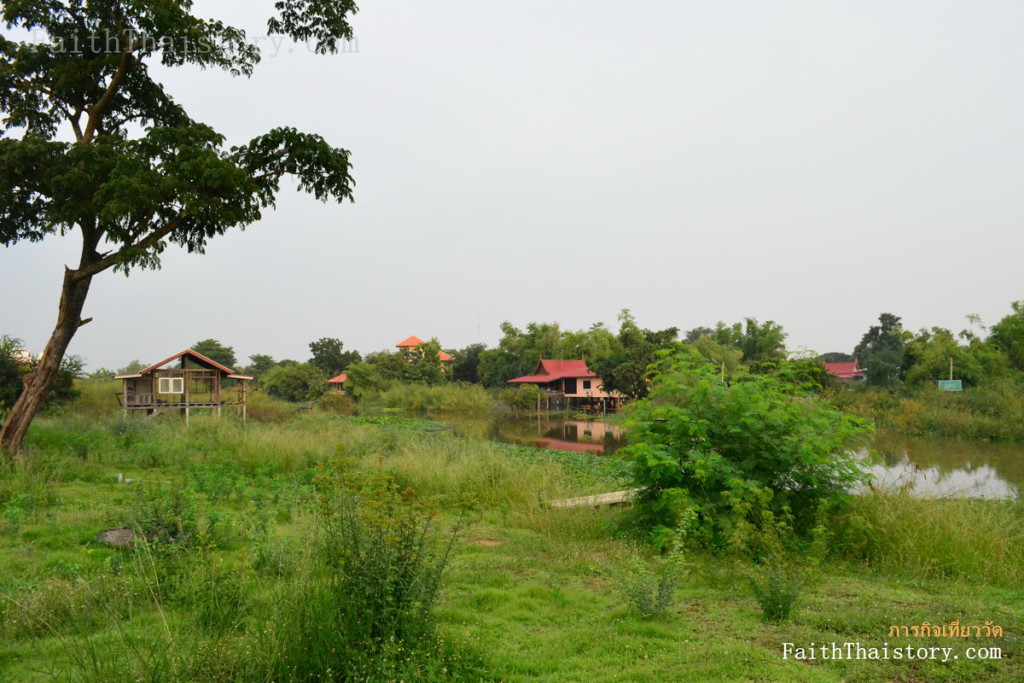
pixel 925 466
pixel 581 436
pixel 948 467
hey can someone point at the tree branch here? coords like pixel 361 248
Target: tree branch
pixel 111 259
pixel 96 111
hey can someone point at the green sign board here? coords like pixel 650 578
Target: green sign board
pixel 951 385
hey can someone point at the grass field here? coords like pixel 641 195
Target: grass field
pixel 254 570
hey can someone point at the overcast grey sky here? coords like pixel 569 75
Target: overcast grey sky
pixel 813 163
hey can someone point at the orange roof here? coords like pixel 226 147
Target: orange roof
pixel 340 379
pixel 445 357
pixel 410 343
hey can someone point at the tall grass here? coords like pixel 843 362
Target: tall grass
pixel 993 411
pixel 934 538
pixel 450 399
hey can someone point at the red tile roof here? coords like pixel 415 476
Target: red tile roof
pixel 445 357
pixel 410 343
pixel 845 370
pixel 340 379
pixel 551 370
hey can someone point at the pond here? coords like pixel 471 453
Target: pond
pixel 925 466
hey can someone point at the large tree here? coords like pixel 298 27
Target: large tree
pixel 880 351
pixel 92 146
pixel 215 351
pixel 329 355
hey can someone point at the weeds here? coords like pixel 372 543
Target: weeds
pixel 651 591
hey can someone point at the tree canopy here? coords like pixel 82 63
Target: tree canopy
pixel 215 351
pixel 93 147
pixel 329 355
pixel 880 351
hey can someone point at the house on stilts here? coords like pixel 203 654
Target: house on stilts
pixel 185 382
pixel 571 385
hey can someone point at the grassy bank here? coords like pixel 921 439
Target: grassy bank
pixel 994 411
pixel 244 517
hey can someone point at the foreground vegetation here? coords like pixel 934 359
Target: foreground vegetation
pixel 256 555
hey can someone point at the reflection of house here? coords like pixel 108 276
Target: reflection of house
pixel 410 348
pixel 338 383
pixel 846 372
pixel 195 382
pixel 570 384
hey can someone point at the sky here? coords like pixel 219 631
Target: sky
pixel 811 163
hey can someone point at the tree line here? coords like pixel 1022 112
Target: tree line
pixel 889 355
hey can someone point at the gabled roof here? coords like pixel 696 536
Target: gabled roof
pixel 196 357
pixel 410 343
pixel 552 370
pixel 845 370
pixel 340 379
pixel 445 357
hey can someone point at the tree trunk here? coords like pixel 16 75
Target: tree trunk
pixel 39 381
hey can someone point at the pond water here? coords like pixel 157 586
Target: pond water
pixel 925 466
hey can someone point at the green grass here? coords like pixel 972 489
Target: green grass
pixel 530 592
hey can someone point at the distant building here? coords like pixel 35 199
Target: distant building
pixel 410 346
pixel 845 373
pixel 195 382
pixel 22 357
pixel 571 385
pixel 338 383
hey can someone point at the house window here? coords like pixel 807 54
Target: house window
pixel 171 385
pixel 586 385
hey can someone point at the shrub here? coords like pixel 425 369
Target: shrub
pixel 716 459
pixel 362 604
pixel 522 397
pixel 299 382
pixel 650 591
pixel 776 591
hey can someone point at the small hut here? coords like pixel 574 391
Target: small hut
pixel 194 382
pixel 338 383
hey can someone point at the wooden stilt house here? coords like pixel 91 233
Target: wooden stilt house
pixel 185 382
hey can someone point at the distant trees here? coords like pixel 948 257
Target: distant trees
pixel 1008 335
pixel 880 351
pixel 423 364
pixel 928 355
pixel 10 371
pixel 329 355
pixel 298 382
pixel 467 363
pixel 625 368
pixel 15 364
pixel 761 343
pixel 518 352
pixel 215 351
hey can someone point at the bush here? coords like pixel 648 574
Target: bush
pixel 362 605
pixel 776 592
pixel 719 459
pixel 297 383
pixel 650 591
pixel 523 397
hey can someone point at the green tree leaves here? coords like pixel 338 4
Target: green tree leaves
pixel 716 457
